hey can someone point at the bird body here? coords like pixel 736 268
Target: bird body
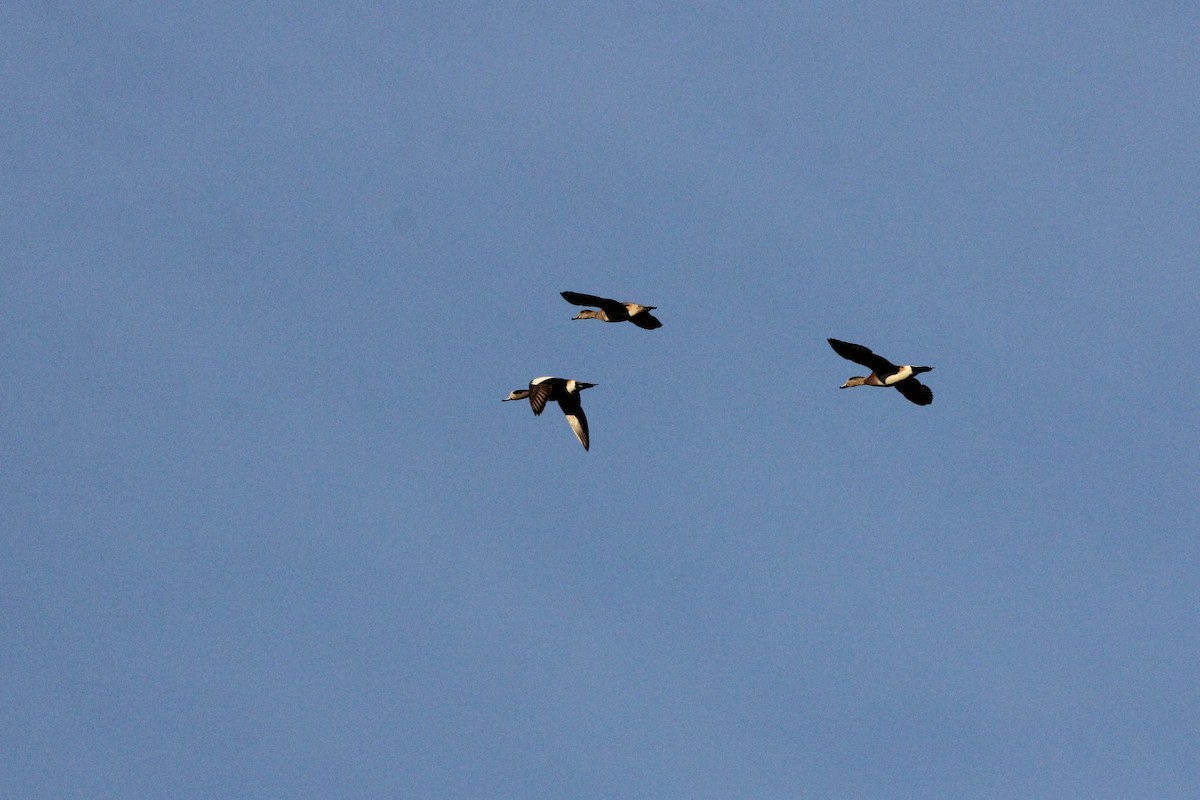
pixel 613 310
pixel 884 372
pixel 564 391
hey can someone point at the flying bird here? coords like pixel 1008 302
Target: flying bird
pixel 563 390
pixel 612 310
pixel 884 372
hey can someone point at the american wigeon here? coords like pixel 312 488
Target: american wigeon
pixel 884 372
pixel 563 390
pixel 613 310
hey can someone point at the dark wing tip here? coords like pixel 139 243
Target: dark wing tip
pixel 849 350
pixel 645 320
pixel 915 391
pixel 840 347
pixel 862 355
pixel 580 299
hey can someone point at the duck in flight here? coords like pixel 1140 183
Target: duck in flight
pixel 563 390
pixel 612 310
pixel 884 372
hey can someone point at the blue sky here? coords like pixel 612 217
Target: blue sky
pixel 269 531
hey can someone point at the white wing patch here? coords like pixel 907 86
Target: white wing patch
pixel 578 424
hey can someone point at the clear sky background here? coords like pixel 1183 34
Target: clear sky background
pixel 267 271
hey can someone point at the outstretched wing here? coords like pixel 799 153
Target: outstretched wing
pixel 861 355
pixel 644 319
pixel 611 307
pixel 573 409
pixel 915 391
pixel 540 390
